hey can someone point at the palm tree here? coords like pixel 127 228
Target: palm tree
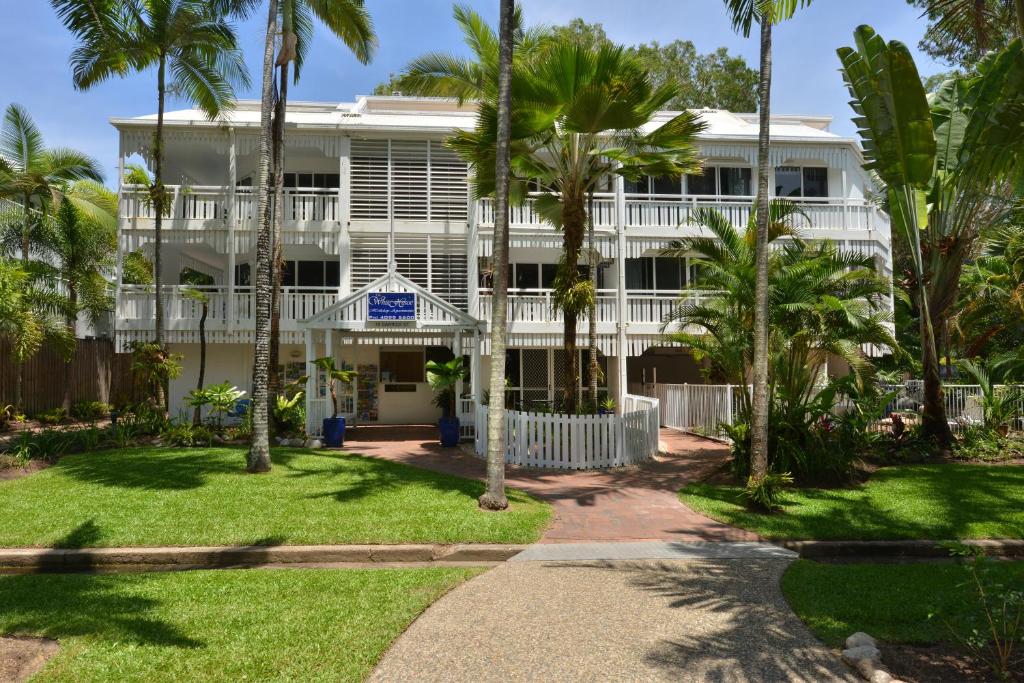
pixel 32 312
pixel 969 24
pixel 196 281
pixel 574 128
pixel 744 13
pixel 350 22
pixel 188 41
pixel 34 175
pixel 494 497
pixel 79 254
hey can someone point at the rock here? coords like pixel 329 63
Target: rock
pixel 881 676
pixel 854 655
pixel 280 440
pixel 313 443
pixel 866 668
pixel 860 639
pixel 217 438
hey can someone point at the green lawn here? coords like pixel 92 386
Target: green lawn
pixel 941 502
pixel 171 496
pixel 227 625
pixel 892 602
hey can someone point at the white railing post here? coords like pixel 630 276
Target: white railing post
pixel 728 404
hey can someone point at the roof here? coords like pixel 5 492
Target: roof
pixel 442 116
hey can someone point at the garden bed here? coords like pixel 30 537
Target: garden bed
pixel 937 502
pixel 202 496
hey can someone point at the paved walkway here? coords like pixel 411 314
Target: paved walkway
pixel 661 620
pixel 628 504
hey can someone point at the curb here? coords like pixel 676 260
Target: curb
pixel 897 549
pixel 203 557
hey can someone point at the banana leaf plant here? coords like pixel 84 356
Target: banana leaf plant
pixel 334 375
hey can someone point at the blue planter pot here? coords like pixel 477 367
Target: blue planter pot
pixel 449 429
pixel 334 432
pixel 602 411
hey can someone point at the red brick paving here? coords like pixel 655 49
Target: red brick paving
pixel 627 504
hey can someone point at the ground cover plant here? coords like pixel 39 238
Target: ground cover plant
pixel 201 496
pixel 941 502
pixel 284 624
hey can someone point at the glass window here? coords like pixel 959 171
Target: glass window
pixel 242 274
pixel 815 182
pixel 512 366
pixel 527 276
pixel 667 185
pixel 289 180
pixel 548 272
pixel 667 273
pixel 788 181
pixel 402 366
pixel 332 274
pixel 735 182
pixel 310 274
pixel 639 273
pixel 702 184
pixel 305 180
pixel 641 186
pixel 288 274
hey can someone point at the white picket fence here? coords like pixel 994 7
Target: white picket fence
pixel 704 408
pixel 577 442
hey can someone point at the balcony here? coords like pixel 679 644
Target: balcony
pixel 663 212
pixel 534 309
pixel 136 306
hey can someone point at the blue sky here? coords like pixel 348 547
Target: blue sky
pixel 35 49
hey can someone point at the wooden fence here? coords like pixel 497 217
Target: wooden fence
pixel 97 374
pixel 577 442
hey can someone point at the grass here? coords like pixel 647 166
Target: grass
pixel 149 497
pixel 266 625
pixel 892 602
pixel 941 502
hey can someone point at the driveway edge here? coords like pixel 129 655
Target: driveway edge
pixel 899 549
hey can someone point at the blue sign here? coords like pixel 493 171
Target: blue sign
pixel 391 306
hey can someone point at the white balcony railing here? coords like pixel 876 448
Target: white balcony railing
pixel 204 204
pixel 673 211
pixel 536 305
pixel 137 303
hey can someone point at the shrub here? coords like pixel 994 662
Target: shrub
pixel 186 434
pixel 765 494
pixel 122 435
pixel 90 410
pixel 6 415
pixel 52 416
pixel 290 414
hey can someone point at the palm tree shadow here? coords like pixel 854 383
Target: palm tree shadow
pixel 168 470
pixel 104 606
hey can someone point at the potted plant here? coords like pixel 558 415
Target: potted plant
pixel 334 426
pixel 442 378
pixel 606 407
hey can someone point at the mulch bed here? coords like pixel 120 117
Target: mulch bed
pixel 31 467
pixel 21 658
pixel 936 664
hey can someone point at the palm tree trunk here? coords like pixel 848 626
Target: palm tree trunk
pixel 19 381
pixel 573 229
pixel 197 414
pixel 72 319
pixel 158 198
pixel 259 448
pixel 494 497
pixel 1018 6
pixel 759 407
pixel 278 262
pixel 933 420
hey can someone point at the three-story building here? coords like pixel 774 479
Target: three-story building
pixel 388 255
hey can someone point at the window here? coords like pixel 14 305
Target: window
pixel 666 185
pixel 325 181
pixel 735 181
pixel 797 181
pixel 639 273
pixel 527 275
pixel 658 273
pixel 639 186
pixel 402 366
pixel 548 273
pixel 242 274
pixel 668 273
pixel 702 184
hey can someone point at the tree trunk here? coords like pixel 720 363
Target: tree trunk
pixel 158 198
pixel 1018 6
pixel 259 448
pixel 759 407
pixel 278 260
pixel 494 497
pixel 933 419
pixel 26 229
pixel 197 413
pixel 573 230
pixel 71 321
pixel 595 366
pixel 19 381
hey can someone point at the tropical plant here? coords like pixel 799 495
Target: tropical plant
pixel 90 410
pixel 334 374
pixel 196 280
pixel 744 14
pixel 290 413
pixel 1000 403
pixel 764 494
pixel 153 367
pixel 78 252
pixel 188 40
pixel 443 378
pixel 349 21
pixel 222 398
pixel 962 31
pixel 36 177
pixel 32 311
pixel 574 129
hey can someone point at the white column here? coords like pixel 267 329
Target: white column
pixel 846 201
pixel 474 368
pixel 473 260
pixel 310 380
pixel 232 218
pixel 120 212
pixel 620 262
pixel 345 217
pixel 329 343
pixel 457 350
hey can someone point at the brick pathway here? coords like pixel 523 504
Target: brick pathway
pixel 627 504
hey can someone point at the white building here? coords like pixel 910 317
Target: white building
pixel 375 202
